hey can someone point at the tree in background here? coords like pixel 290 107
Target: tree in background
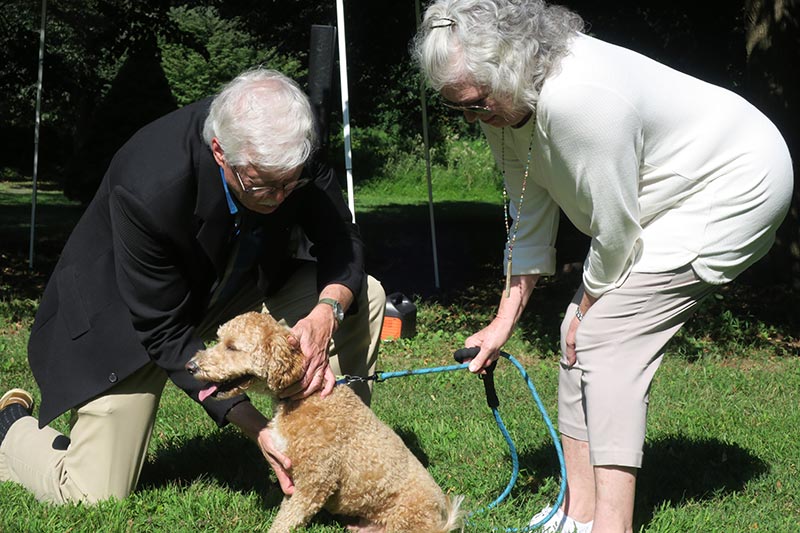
pixel 213 50
pixel 18 51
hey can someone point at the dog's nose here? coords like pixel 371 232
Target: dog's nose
pixel 192 368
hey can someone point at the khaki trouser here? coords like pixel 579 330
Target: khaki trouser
pixel 109 435
pixel 620 343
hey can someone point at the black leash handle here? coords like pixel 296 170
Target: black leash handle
pixel 462 355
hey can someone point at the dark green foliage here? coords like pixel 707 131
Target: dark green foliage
pixel 208 50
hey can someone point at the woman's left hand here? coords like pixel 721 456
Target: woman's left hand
pixel 585 304
pixel 570 341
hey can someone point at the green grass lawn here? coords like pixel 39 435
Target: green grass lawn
pixel 723 441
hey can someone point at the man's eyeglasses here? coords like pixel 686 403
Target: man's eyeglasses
pixel 269 190
pixel 469 108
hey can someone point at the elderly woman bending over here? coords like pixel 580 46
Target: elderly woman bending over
pixel 679 184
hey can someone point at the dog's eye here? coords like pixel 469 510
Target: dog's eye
pixel 231 347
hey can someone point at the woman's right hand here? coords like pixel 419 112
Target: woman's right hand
pixel 490 340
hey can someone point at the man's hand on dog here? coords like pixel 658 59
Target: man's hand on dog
pixel 313 335
pixel 280 463
pixel 254 425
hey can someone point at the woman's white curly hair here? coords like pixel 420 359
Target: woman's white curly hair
pixel 508 46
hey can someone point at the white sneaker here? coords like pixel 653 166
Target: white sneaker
pixel 559 523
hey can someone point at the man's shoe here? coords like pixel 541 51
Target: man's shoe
pixel 14 404
pixel 20 396
pixel 559 523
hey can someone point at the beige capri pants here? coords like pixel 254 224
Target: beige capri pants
pixel 619 345
pixel 109 435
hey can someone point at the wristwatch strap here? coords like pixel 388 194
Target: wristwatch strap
pixel 338 313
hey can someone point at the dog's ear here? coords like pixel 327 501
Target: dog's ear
pixel 283 362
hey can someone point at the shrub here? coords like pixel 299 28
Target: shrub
pixel 211 51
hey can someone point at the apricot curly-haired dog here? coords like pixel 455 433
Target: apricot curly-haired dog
pixel 344 459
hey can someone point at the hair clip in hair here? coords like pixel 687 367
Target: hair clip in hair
pixel 442 23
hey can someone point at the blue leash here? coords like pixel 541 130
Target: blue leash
pixel 491 398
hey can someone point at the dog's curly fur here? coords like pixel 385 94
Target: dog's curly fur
pixel 344 459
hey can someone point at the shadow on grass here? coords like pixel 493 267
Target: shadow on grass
pixel 469 246
pixel 411 441
pixel 676 470
pixel 227 457
pixel 470 238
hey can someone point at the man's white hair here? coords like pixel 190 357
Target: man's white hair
pixel 262 118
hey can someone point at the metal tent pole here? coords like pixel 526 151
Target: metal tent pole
pixel 424 105
pixel 348 157
pixel 36 132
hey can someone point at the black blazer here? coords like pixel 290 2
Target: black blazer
pixel 138 270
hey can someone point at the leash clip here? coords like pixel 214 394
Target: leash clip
pixel 348 379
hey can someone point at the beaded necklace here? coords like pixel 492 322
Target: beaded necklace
pixel 511 238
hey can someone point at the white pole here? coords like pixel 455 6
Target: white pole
pixel 36 132
pixel 424 105
pixel 348 157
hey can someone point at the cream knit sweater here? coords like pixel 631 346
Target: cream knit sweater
pixel 659 168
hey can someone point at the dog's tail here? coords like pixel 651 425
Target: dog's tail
pixel 453 516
